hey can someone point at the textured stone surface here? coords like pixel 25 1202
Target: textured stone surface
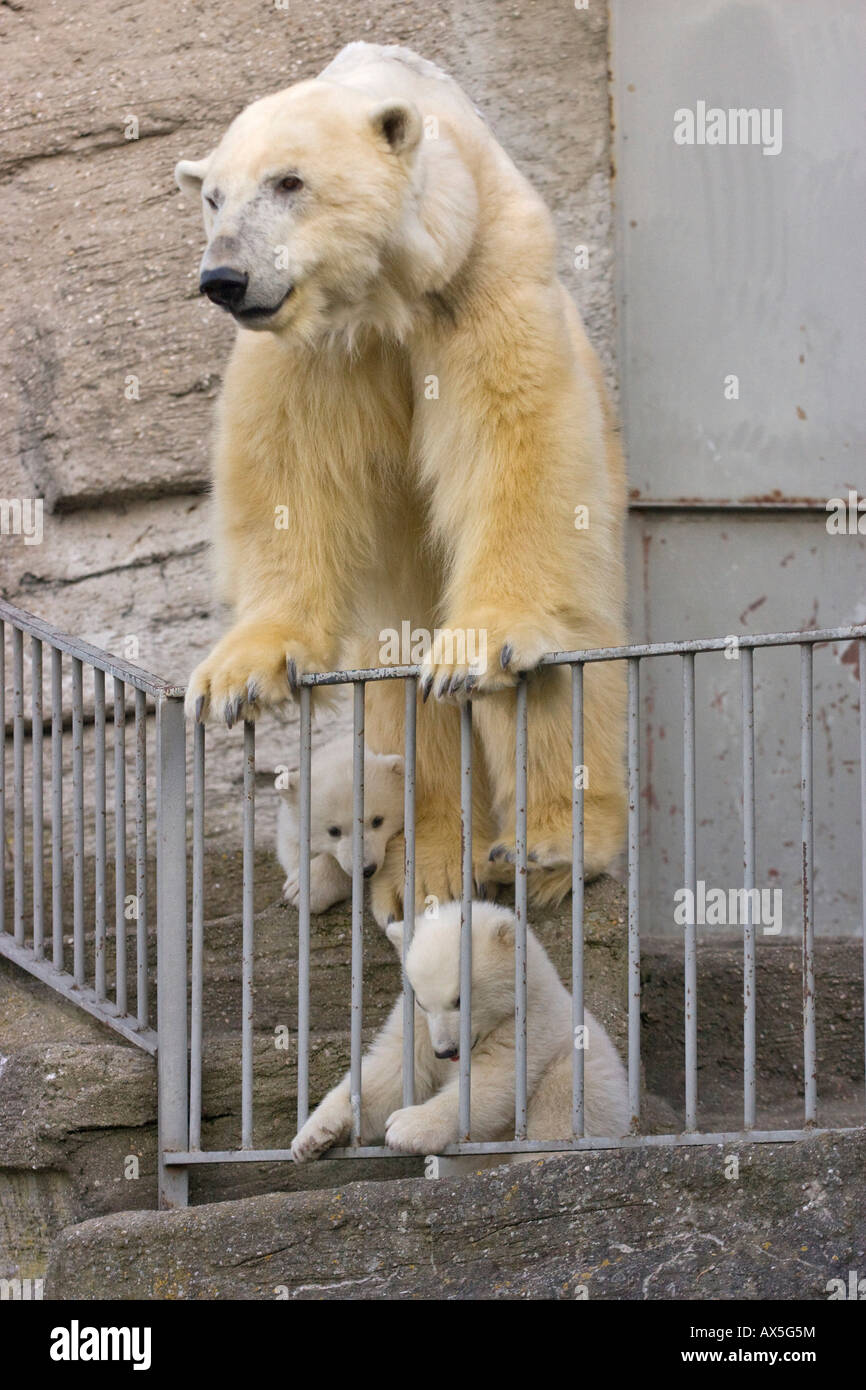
pixel 626 1225
pixel 101 252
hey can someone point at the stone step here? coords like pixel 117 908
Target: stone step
pixel 601 1225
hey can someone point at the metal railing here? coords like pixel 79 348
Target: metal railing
pixel 180 1037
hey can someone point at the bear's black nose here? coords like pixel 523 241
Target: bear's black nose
pixel 369 870
pixel 449 1054
pixel 224 286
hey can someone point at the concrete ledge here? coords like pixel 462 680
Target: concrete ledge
pixel 657 1224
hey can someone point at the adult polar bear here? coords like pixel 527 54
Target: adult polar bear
pixel 370 237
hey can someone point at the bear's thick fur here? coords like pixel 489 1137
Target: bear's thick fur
pixel 433 970
pixel 413 428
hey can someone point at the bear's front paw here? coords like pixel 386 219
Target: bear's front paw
pixel 482 656
pixel 253 666
pixel 320 1133
pixel 544 852
pixel 417 1130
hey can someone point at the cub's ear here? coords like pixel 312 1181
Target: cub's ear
pixel 189 175
pixel 394 933
pixel 398 122
pixel 394 763
pixel 502 928
pixel 290 791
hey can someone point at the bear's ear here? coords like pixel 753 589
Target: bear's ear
pixel 398 122
pixel 502 928
pixel 394 763
pixel 394 933
pixel 189 175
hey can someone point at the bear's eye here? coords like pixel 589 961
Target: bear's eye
pixel 376 822
pixel 456 1004
pixel 290 184
pixel 334 831
pixel 212 202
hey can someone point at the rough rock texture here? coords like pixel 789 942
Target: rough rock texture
pixel 109 361
pixel 78 1105
pixel 626 1225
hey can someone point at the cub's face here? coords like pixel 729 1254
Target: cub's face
pixel 302 199
pixel 433 969
pixel 331 818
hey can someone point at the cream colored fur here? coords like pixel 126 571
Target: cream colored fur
pixel 407 258
pixel 332 821
pixel 433 968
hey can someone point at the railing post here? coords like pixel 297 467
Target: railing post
pixel 171 947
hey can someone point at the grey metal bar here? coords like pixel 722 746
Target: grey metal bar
pixel 809 1046
pixel 634 890
pixel 99 831
pixel 77 823
pixel 520 893
pixel 141 995
pixel 304 851
pixel 248 936
pixel 57 808
pixel 84 998
pixel 3 776
pixel 18 787
pixel 357 1003
pixel 410 721
pixel 464 1102
pixel 84 652
pixel 690 882
pixel 587 655
pixel 197 951
pixel 120 846
pixel 530 1146
pixel 749 977
pixel 172 1062
pixel 861 660
pixel 37 800
pixel 577 880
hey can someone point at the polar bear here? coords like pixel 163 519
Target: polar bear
pixel 413 434
pixel 331 819
pixel 433 970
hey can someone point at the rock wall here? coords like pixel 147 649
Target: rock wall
pixel 109 360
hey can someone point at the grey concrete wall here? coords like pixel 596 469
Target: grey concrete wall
pixel 100 254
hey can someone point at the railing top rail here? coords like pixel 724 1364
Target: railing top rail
pixel 135 676
pixel 590 654
pixel 143 680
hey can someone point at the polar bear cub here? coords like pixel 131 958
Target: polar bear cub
pixel 433 969
pixel 331 821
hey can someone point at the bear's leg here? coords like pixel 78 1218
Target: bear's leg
pixel 381 1090
pixel 328 884
pixel 550 773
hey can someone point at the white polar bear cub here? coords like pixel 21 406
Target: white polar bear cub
pixel 433 969
pixel 331 821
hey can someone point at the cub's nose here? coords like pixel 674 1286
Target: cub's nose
pixel 224 286
pixel 449 1054
pixel 369 870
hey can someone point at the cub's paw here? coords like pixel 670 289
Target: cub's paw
pixel 292 889
pixel 253 666
pixel 414 1130
pixel 319 1134
pixel 477 658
